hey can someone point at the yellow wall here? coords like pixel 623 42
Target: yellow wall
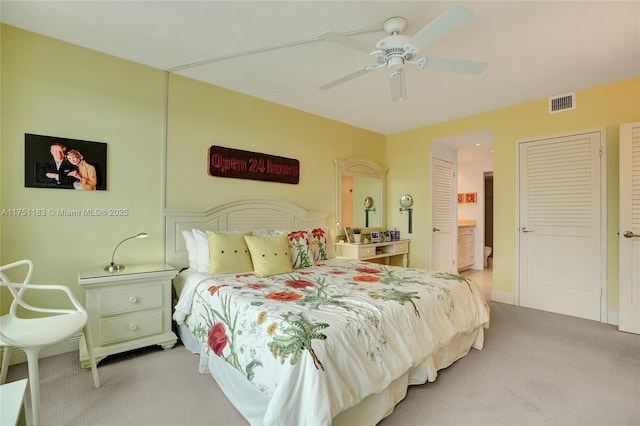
pixel 1 305
pixel 54 88
pixel 408 161
pixel 202 115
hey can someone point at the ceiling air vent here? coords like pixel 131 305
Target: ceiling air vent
pixel 562 103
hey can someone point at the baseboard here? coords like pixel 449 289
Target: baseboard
pixel 501 297
pixel 498 296
pixel 69 345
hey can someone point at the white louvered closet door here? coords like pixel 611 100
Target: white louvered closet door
pixel 442 216
pixel 560 257
pixel 629 270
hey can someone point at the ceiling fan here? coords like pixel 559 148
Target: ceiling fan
pixel 396 50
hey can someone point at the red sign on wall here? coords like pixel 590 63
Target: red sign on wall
pixel 236 163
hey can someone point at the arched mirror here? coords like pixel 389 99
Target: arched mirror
pixel 360 184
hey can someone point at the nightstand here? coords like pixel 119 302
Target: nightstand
pixel 127 310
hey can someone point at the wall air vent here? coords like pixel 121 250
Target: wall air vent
pixel 562 103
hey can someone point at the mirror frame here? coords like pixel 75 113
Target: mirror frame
pixel 364 167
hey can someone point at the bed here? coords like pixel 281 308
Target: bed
pixel 302 337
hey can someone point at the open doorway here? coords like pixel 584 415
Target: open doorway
pixel 488 220
pixel 473 157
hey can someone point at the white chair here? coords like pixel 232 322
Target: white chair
pixel 33 334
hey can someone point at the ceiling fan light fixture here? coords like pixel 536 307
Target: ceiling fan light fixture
pixel 395 62
pixel 421 63
pixel 410 49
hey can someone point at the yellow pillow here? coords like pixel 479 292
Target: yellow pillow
pixel 228 253
pixel 270 255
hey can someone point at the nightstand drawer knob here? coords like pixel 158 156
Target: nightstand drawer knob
pixel 133 299
pixel 133 326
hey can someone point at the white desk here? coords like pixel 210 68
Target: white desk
pixel 384 250
pixel 12 403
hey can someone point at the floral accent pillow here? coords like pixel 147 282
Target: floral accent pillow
pixel 301 255
pixel 321 244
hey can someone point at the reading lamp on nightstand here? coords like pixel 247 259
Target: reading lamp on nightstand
pixel 114 267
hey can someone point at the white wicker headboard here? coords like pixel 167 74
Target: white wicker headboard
pixel 240 215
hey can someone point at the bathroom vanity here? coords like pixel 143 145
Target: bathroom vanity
pixel 466 244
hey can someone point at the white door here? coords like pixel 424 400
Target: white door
pixel 560 224
pixel 629 269
pixel 443 231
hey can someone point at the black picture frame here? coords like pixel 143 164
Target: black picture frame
pixel 40 168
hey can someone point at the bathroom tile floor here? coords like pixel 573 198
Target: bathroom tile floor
pixel 484 279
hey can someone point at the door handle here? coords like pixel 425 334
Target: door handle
pixel 630 234
pixel 525 229
pixel 436 229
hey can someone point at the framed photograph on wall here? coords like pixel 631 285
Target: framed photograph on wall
pixel 62 163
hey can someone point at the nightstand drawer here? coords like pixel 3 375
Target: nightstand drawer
pixel 367 251
pixel 132 298
pixel 130 327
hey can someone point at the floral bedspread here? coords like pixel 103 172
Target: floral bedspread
pixel 319 340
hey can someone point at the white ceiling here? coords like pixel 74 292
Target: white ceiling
pixel 534 49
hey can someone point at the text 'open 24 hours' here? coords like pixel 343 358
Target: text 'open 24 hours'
pixel 239 164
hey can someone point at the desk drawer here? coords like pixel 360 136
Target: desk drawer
pixel 401 247
pixel 367 251
pixel 129 327
pixel 127 299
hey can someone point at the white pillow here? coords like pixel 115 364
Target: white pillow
pixel 202 250
pixel 263 232
pixel 190 243
pixel 331 250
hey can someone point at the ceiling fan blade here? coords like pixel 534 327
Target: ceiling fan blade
pixel 463 66
pixel 346 41
pixel 398 87
pixel 346 78
pixel 451 19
